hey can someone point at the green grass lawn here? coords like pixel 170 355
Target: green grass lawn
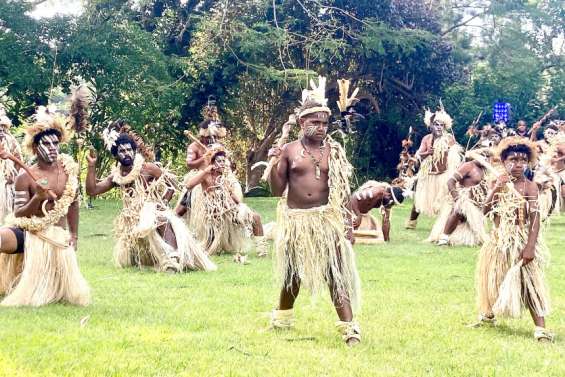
pixel 417 299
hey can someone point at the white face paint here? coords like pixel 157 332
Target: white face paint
pixel 220 162
pixel 125 154
pixel 48 148
pixel 437 128
pixel 549 134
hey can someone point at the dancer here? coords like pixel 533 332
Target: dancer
pixel 314 230
pixel 461 221
pixel 371 195
pixel 514 242
pixel 148 232
pixel 218 215
pixel 8 171
pixel 440 155
pixel 44 225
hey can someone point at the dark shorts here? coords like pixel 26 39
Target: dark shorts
pixel 20 237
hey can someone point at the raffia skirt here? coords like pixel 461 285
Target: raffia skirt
pixel 50 272
pixel 471 232
pixel 497 255
pixel 310 245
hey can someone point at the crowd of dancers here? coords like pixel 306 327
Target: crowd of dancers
pixel 497 194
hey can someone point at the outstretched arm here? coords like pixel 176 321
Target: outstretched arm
pixel 199 178
pixel 94 188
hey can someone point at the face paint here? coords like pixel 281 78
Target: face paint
pixel 125 154
pixel 516 164
pixel 3 132
pixel 220 162
pixel 549 134
pixel 316 125
pixel 48 148
pixel 437 128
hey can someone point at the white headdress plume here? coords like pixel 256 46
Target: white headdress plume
pixel 45 114
pixel 110 135
pixel 440 116
pixel 314 100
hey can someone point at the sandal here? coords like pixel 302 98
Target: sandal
pixel 542 335
pixel 350 331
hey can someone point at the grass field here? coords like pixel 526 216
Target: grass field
pixel 417 299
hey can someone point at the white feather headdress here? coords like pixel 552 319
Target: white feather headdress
pixel 314 100
pixel 440 116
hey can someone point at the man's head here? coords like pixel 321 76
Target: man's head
pixel 124 150
pixel 219 160
pixel 494 138
pixel 550 132
pixel 315 125
pixel 3 131
pixel 516 154
pixel 437 126
pixel 46 145
pixel 521 127
pixel 393 195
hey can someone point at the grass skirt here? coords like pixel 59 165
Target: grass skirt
pixel 472 231
pixel 218 228
pixel 310 244
pixel 50 272
pixel 498 254
pixel 11 266
pixel 150 249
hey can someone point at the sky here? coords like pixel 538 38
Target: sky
pixel 52 7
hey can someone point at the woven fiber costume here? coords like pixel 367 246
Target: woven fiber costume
pixel 144 211
pixel 431 187
pixel 311 244
pixel 8 171
pixel 469 204
pixel 50 271
pixel 500 257
pixel 223 223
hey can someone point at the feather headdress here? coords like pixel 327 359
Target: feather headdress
pixel 4 120
pixel 314 100
pixel 45 118
pixel 440 116
pixel 513 141
pixel 80 102
pixel 345 101
pixel 120 126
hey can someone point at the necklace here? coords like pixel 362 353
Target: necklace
pixel 315 161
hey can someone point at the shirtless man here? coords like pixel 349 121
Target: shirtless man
pixel 515 238
pixel 45 224
pixel 440 155
pixel 314 236
pixel 165 242
pixel 375 195
pixel 225 223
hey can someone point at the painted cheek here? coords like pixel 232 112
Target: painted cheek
pixel 310 130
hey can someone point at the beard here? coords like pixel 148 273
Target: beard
pixel 126 160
